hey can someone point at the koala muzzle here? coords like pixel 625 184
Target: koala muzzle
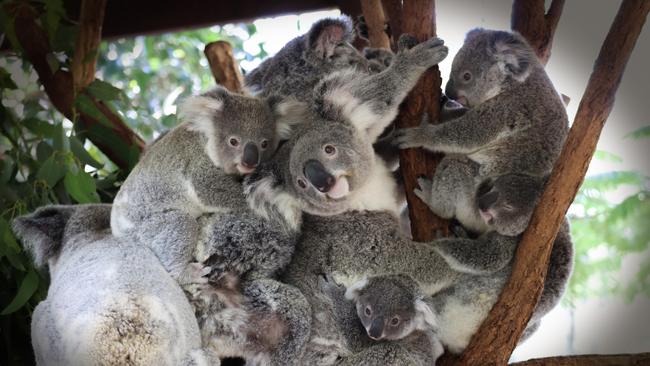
pixel 251 156
pixel 319 177
pixel 450 91
pixel 376 328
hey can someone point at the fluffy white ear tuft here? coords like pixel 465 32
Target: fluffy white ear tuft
pixel 513 54
pixel 426 319
pixel 353 292
pixel 200 112
pixel 289 112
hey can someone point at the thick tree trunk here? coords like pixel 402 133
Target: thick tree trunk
pixel 88 40
pixel 59 85
pixel 537 26
pixel 373 13
pixel 224 66
pixel 500 332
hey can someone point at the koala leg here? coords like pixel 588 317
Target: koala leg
pixel 380 354
pixel 267 295
pixel 487 254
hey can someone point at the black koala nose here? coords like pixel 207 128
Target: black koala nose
pixel 251 155
pixel 317 175
pixel 376 328
pixel 487 200
pixel 450 91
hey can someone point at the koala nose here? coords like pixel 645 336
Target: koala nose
pixel 449 90
pixel 376 328
pixel 318 176
pixel 487 200
pixel 251 156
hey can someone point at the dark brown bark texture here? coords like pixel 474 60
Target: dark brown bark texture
pixel 537 26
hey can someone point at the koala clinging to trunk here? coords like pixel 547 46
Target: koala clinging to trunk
pixel 194 171
pixel 516 123
pixel 110 301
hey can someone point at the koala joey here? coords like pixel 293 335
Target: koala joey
pixel 516 122
pixel 110 301
pixel 194 171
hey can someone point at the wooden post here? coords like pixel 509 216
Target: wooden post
pixel 224 66
pixel 393 10
pixel 537 26
pixel 88 40
pixel 500 332
pixel 373 13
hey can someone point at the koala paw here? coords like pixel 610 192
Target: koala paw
pixel 429 52
pixel 424 191
pixel 459 231
pixel 195 273
pixel 406 42
pixel 407 138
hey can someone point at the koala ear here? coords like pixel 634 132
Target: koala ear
pixel 471 35
pixel 424 319
pixel 288 112
pixel 200 110
pixel 513 54
pixel 324 35
pixel 353 292
pixel 41 232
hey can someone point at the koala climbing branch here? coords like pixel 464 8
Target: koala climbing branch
pixel 500 332
pixel 59 84
pixel 536 25
pixel 224 66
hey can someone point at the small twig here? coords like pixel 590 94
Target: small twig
pixel 224 66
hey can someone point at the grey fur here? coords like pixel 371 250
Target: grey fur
pixel 110 301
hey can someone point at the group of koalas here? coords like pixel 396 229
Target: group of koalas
pixel 266 225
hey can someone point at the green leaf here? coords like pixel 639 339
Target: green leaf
pixel 6 170
pixel 52 170
pixel 643 132
pixel 60 140
pixel 104 91
pixel 80 152
pixel 603 155
pixel 81 187
pixel 52 62
pixel 612 180
pixel 53 13
pixel 5 80
pixel 9 29
pixel 25 292
pixel 43 151
pixel 40 128
pixel 88 107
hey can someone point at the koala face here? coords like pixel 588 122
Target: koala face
pixel 489 63
pixel 329 40
pixel 242 131
pixel 327 163
pixel 389 307
pixel 507 202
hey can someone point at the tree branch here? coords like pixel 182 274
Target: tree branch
pixel 393 10
pixel 88 40
pixel 500 332
pixel 224 66
pixel 529 19
pixel 373 13
pixel 58 85
pixel 590 360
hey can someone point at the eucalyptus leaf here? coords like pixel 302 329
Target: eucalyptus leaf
pixel 5 80
pixel 51 171
pixel 25 292
pixel 80 152
pixel 104 91
pixel 81 187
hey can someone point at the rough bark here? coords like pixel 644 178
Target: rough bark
pixel 224 66
pixel 373 13
pixel 590 360
pixel 500 332
pixel 418 19
pixel 88 40
pixel 59 87
pixel 393 12
pixel 537 26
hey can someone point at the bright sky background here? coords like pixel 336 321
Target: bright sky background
pixel 605 325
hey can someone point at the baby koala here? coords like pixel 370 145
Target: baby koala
pixel 391 308
pixel 195 170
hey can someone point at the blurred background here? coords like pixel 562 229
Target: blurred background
pixel 43 159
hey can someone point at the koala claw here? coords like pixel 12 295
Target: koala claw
pixel 195 273
pixel 407 138
pixel 459 231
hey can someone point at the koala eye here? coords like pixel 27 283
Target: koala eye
pixel 394 321
pixel 508 207
pixel 301 183
pixel 233 141
pixel 264 144
pixel 467 76
pixel 368 312
pixel 329 149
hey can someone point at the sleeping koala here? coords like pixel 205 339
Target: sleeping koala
pixel 110 300
pixel 194 170
pixel 516 123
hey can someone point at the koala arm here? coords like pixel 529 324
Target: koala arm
pixel 471 132
pixel 487 254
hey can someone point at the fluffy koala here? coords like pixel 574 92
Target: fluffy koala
pixel 516 122
pixel 110 300
pixel 193 171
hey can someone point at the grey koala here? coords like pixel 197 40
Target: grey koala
pixel 110 301
pixel 194 171
pixel 516 122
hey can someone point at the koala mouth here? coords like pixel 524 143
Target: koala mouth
pixel 340 189
pixel 332 186
pixel 487 216
pixel 462 100
pixel 244 169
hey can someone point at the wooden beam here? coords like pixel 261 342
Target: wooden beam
pixel 537 26
pixel 418 19
pixel 499 334
pixel 224 66
pixel 87 45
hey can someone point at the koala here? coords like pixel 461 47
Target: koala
pixel 194 170
pixel 515 122
pixel 110 300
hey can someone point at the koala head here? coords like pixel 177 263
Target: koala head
pixel 46 231
pixel 242 131
pixel 488 63
pixel 390 307
pixel 328 41
pixel 507 202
